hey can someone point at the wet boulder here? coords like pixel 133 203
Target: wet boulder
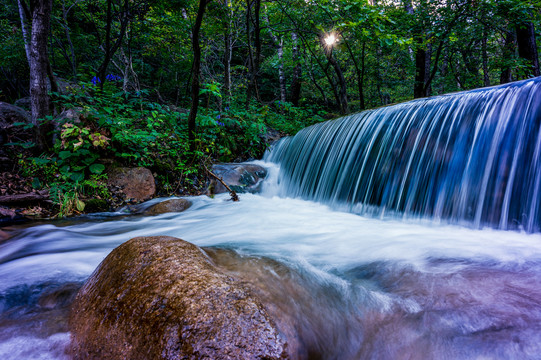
pixel 134 184
pixel 240 177
pixel 171 205
pixel 162 298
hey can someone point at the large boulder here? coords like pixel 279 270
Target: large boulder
pixel 135 184
pixel 162 298
pixel 240 177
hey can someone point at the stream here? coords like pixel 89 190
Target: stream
pixel 354 287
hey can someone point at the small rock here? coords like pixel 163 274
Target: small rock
pixel 171 205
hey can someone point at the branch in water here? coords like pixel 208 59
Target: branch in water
pixel 233 194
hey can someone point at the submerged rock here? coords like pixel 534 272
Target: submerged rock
pixel 162 298
pixel 136 184
pixel 171 205
pixel 239 177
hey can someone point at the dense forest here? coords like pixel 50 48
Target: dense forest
pixel 177 85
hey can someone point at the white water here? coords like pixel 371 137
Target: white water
pixel 461 282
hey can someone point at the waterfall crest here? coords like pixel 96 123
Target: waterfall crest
pixel 471 158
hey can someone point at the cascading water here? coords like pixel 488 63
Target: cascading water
pixel 347 286
pixel 472 157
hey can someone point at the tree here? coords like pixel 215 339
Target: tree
pixel 196 73
pixel 38 14
pixel 527 46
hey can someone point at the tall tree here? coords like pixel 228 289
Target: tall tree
pixel 527 46
pixel 110 47
pixel 39 13
pixel 196 72
pixel 279 44
pixel 296 81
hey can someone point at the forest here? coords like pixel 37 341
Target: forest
pixel 177 85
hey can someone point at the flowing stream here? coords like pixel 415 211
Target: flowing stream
pixel 423 279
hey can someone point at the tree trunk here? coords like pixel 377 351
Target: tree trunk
pixel 362 104
pixel 24 15
pixel 359 73
pixel 110 49
pixel 344 109
pixel 321 91
pixel 251 66
pixel 254 59
pixel 279 44
pixel 527 47
pixel 196 71
pixel 73 58
pixel 508 52
pixel 228 53
pixel 422 68
pixel 39 62
pixel 297 71
pixel 486 78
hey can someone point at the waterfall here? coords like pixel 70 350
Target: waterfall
pixel 469 158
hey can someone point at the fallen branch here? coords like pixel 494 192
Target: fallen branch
pixel 233 194
pixel 23 198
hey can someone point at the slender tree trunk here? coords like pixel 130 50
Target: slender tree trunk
pixel 297 71
pixel 23 13
pixel 110 49
pixel 39 63
pixel 73 58
pixel 361 80
pixel 508 52
pixel 257 36
pixel 251 65
pixel 420 71
pixel 279 44
pixel 321 91
pixel 486 77
pixel 196 71
pixel 228 53
pixel 344 109
pixel 527 46
pixel 254 59
pixel 359 73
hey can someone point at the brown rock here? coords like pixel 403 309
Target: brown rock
pixel 162 298
pixel 135 183
pixel 171 205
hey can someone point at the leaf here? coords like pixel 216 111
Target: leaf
pixel 80 205
pixel 36 184
pixel 64 154
pixel 97 168
pixel 77 176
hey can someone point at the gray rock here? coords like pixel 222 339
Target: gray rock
pixel 162 298
pixel 240 177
